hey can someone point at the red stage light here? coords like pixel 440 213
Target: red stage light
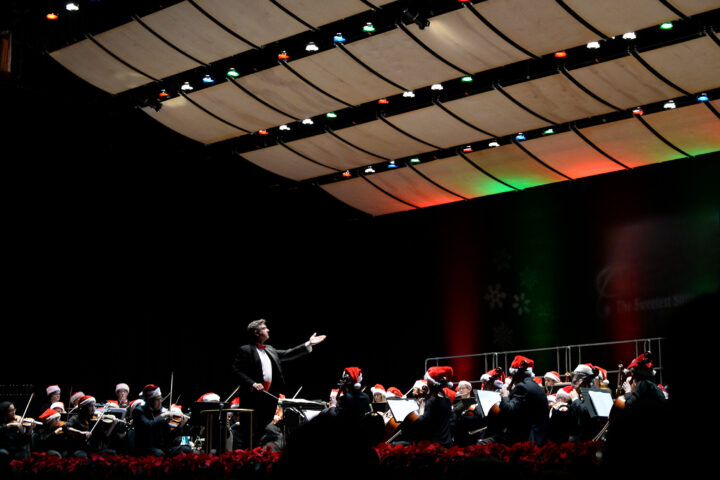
pixel 383 101
pixel 263 132
pixel 51 16
pixel 283 55
pixel 638 111
pixel 562 54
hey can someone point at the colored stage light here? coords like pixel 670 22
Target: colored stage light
pixel 520 137
pixel 369 28
pixel 548 131
pixel 263 132
pixel 232 73
pixel 311 47
pixel 283 55
pixel 666 26
pixel 338 38
pixel 52 16
pixel 466 79
pixel 383 101
pixel 163 94
pixel 391 164
pixel 638 111
pixel 414 160
pixel 346 173
pixel 331 115
pixel 561 54
pixel 208 79
pixel 467 149
pixel 703 97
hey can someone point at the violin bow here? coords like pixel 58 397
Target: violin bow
pixel 172 377
pixel 231 395
pixel 22 419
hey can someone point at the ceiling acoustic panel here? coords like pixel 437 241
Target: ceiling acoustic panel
pixel 285 163
pixel 624 82
pixel 361 194
pixel 410 187
pixel 342 77
pixel 332 151
pixel 692 7
pixel 556 98
pixel 280 88
pixel 694 129
pixel 514 167
pixel 194 33
pixel 571 155
pixel 185 118
pixel 95 66
pixel 539 26
pixel 436 126
pixel 397 57
pixel 135 45
pixel 494 113
pixel 630 143
pixel 460 176
pixel 462 39
pixel 381 139
pixel 237 107
pixel 615 17
pixel 693 65
pixel 318 13
pixel 257 21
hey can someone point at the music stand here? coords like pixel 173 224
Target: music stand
pixel 379 407
pixel 486 399
pixel 598 401
pixel 218 434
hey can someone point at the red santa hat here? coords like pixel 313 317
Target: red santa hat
pixel 59 406
pixel 150 391
pixel 642 362
pixel 52 389
pixel 584 369
pixel 439 376
pixel 394 392
pixel 75 396
pixel 520 364
pixel 420 384
pixel 133 405
pixel 113 403
pixel 553 375
pixel 235 403
pixel 209 397
pixel 495 372
pixel 564 393
pixel 49 415
pixel 664 390
pixel 122 386
pixel 450 393
pixel 602 373
pixel 378 388
pixel 355 374
pixel 86 400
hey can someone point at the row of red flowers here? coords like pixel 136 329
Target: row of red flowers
pixel 260 461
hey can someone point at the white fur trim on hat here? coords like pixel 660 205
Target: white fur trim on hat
pixel 151 394
pixel 552 376
pixel 583 369
pixel 57 405
pixel 52 389
pixel 122 386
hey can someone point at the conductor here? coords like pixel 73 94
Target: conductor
pixel 258 370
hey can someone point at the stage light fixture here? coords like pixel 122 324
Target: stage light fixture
pixel 370 169
pixel 466 79
pixel 346 174
pixel 561 54
pixel 208 79
pixel 338 38
pixel 593 45
pixel 72 6
pixel 467 149
pixel 493 144
pixel 414 160
pixel 307 121
pixel 52 16
pixel 703 97
pixel 284 128
pixel 629 36
pixel 391 164
pixel 368 27
pixel 436 87
pixel 383 101
pixel 520 137
pixel 638 111
pixel 666 26
pixel 409 94
pixel 413 16
pixel 232 73
pixel 331 115
pixel 263 132
pixel 163 94
pixel 311 47
pixel 283 55
pixel 186 87
pixel 549 131
pixel 669 105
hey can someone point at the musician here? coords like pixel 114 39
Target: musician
pixel 587 426
pixel 523 407
pixel 464 389
pixel 352 403
pixel 49 437
pixel 14 438
pixel 493 380
pixel 551 379
pixel 379 394
pixel 53 395
pixel 420 392
pixel 467 423
pixel 74 398
pixel 437 421
pixel 258 370
pixel 122 391
pixel 394 392
pixel 562 421
pixel 79 427
pixel 153 435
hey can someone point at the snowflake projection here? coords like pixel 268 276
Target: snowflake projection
pixel 521 304
pixel 495 296
pixel 502 336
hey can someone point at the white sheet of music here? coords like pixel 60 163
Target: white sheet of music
pixel 401 407
pixel 487 400
pixel 602 401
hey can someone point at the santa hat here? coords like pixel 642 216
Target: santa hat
pixel 59 406
pixel 134 404
pixel 664 390
pixel 520 363
pixel 641 363
pixel 52 389
pixel 439 376
pixel 564 393
pixel 602 373
pixel 450 393
pixel 394 392
pixel 464 383
pixel 209 397
pixel 176 409
pixel 75 396
pixel 49 415
pixel 355 374
pixel 495 372
pixel 378 388
pixel 150 391
pixel 420 384
pixel 122 386
pixel 585 369
pixel 552 398
pixel 86 400
pixel 112 403
pixel 553 375
pixel 235 403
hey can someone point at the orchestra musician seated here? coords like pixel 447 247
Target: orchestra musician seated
pixel 14 436
pixel 80 427
pixel 153 435
pixel 122 391
pixel 587 426
pixel 50 437
pixel 436 422
pixel 523 407
pixel 379 394
pixel 352 403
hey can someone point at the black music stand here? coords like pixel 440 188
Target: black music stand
pixel 598 401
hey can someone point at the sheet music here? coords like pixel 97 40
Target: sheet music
pixel 602 401
pixel 401 407
pixel 487 399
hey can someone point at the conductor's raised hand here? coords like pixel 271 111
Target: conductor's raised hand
pixel 315 339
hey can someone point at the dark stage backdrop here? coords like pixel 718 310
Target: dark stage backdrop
pixel 131 253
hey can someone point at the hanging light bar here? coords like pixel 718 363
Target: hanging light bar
pixel 311 47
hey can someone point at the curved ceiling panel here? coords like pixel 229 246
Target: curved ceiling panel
pixel 397 57
pixel 569 154
pixel 319 13
pixel 383 140
pixel 514 167
pixel 434 125
pixel 493 112
pixel 630 142
pixel 95 66
pixel 691 7
pixel 410 187
pixel 459 176
pixel 556 98
pixel 185 118
pixel 615 17
pixel 279 87
pixel 341 76
pixel 539 26
pixel 692 65
pixel 135 45
pixel 694 129
pixel 462 39
pixel 285 163
pixel 360 194
pixel 258 21
pixel 624 82
pixel 237 107
pixel 194 33
pixel 332 151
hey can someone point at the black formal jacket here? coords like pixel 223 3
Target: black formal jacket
pixel 248 369
pixel 525 413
